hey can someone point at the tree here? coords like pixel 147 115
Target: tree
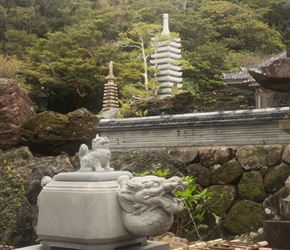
pixel 207 63
pixel 240 29
pixel 63 64
pixel 277 15
pixel 139 38
pixel 9 67
pixel 17 42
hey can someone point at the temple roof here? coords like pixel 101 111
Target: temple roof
pixel 242 79
pixel 196 119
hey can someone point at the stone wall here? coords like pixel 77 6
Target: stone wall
pixel 230 128
pixel 247 181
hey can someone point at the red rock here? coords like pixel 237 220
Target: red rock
pixel 15 107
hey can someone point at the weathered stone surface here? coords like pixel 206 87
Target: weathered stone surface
pixel 16 217
pixel 37 168
pixel 222 198
pixel 187 155
pixel 244 216
pixel 109 114
pixel 15 107
pixel 139 161
pixel 276 177
pixel 256 156
pixel 201 173
pixel 215 155
pixel 277 234
pixel 17 156
pixel 230 172
pixel 271 204
pixel 286 154
pixel 251 187
pixel 51 133
pixel 285 208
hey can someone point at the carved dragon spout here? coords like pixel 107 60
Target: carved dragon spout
pixel 148 203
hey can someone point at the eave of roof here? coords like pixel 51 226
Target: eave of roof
pixel 192 119
pixel 243 77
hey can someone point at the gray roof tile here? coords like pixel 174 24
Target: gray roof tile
pixel 244 76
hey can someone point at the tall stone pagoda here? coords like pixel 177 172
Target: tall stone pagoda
pixel 110 99
pixel 165 60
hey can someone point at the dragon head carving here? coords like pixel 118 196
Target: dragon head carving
pixel 149 202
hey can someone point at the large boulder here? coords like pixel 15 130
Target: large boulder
pixel 140 161
pixel 20 185
pixel 201 173
pixel 251 187
pixel 16 227
pixel 276 177
pixel 18 156
pixel 35 169
pixel 222 198
pixel 271 204
pixel 210 156
pixel 230 172
pixel 244 216
pixel 253 157
pixel 187 155
pixel 286 154
pixel 15 107
pixel 51 133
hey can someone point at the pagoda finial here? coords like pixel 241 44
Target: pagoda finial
pixel 111 76
pixel 165 24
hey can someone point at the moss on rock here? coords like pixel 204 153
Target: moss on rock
pixel 244 216
pixel 221 200
pixel 52 133
pixel 276 177
pixel 251 187
pixel 230 172
pixel 16 227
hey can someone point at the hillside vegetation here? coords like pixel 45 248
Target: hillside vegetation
pixel 63 48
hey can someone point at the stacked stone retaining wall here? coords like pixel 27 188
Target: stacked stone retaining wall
pixel 241 156
pixel 247 182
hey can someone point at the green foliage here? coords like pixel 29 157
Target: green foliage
pixel 239 28
pixel 17 42
pixel 127 111
pixel 9 66
pixel 66 45
pixel 190 220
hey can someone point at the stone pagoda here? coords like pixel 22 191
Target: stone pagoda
pixel 110 99
pixel 165 60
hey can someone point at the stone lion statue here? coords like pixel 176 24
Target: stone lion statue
pixel 97 159
pixel 148 203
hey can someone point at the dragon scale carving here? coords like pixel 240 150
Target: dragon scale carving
pixel 148 203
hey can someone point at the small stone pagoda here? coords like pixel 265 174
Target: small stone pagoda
pixel 165 60
pixel 110 99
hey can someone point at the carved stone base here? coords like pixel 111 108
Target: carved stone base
pixel 150 245
pixel 82 211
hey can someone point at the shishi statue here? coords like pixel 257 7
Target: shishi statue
pixel 148 203
pixel 97 159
